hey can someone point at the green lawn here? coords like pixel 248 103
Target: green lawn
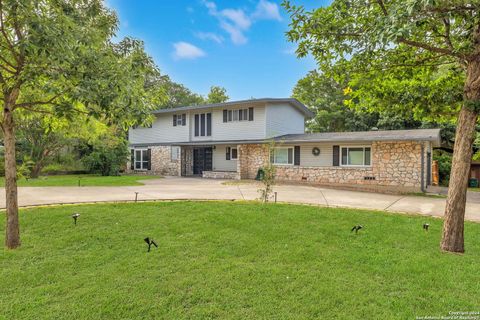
pixel 229 260
pixel 85 180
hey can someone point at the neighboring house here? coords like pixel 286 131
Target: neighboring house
pixel 232 141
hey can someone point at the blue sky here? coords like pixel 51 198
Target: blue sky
pixel 239 45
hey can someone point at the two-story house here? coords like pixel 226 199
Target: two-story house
pixel 233 140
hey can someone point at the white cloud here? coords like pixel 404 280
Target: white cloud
pixel 185 50
pixel 236 35
pixel 209 36
pixel 236 21
pixel 212 7
pixel 237 17
pixel 267 11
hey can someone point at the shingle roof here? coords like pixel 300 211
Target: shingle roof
pixel 293 102
pixel 388 135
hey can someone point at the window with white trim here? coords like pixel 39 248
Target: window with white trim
pixel 238 115
pixel 175 153
pixel 203 124
pixel 356 156
pixel 141 159
pixel 282 155
pixel 179 119
pixel 231 153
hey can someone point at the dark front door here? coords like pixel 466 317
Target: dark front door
pixel 202 160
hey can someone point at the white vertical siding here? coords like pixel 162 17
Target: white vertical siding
pixel 220 163
pixel 283 119
pixel 162 130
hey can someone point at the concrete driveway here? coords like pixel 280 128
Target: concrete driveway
pixel 205 189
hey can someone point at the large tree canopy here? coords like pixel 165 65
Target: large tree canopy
pixel 336 110
pixel 386 36
pixel 57 59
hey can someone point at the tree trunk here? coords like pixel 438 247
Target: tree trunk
pixel 12 230
pixel 452 239
pixel 36 169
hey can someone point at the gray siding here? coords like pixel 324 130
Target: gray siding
pixel 219 160
pixel 268 120
pixel 283 119
pixel 236 130
pixel 162 130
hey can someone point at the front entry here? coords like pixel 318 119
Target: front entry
pixel 202 160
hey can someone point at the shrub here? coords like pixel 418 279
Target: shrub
pixel 109 154
pixel 444 165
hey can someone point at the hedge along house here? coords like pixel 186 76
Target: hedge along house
pixel 233 140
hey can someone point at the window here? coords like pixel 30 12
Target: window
pixel 356 156
pixel 175 153
pixel 203 125
pixel 238 115
pixel 179 120
pixel 282 156
pixel 231 153
pixel 142 158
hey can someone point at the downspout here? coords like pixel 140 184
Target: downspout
pixel 422 172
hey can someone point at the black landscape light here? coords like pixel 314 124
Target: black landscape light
pixel 150 242
pixel 425 226
pixel 79 183
pixel 75 217
pixel 136 197
pixel 275 196
pixel 356 228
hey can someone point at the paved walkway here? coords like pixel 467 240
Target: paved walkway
pixel 198 189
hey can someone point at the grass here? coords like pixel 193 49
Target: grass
pixel 85 180
pixel 223 260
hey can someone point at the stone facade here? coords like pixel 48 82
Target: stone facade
pixel 251 157
pixel 220 175
pixel 395 165
pixel 161 162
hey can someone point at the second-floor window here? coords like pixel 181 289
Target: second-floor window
pixel 238 115
pixel 203 125
pixel 179 119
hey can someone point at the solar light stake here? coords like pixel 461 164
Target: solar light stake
pixel 425 226
pixel 136 196
pixel 150 242
pixel 79 184
pixel 356 228
pixel 75 216
pixel 275 196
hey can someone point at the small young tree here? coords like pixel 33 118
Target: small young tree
pixel 268 177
